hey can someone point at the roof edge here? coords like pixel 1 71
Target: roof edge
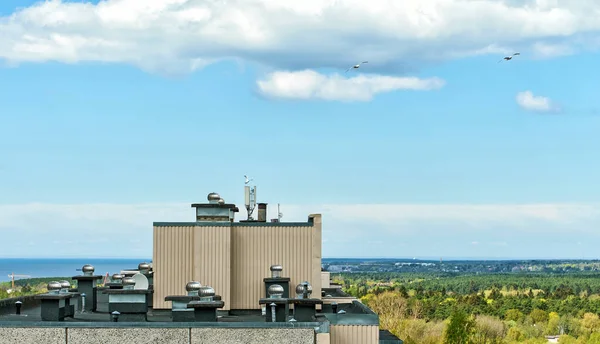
pixel 232 224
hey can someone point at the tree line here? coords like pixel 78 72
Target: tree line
pixel 511 308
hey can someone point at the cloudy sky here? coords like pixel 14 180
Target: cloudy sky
pixel 118 113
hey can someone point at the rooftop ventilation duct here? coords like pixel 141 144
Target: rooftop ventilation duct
pixel 128 283
pixel 303 290
pixel 275 291
pixel 117 278
pixel 64 286
pixel 54 287
pixel 276 271
pixel 192 288
pixel 144 267
pixel 216 210
pixel 88 270
pixel 206 293
pixel 277 279
pixel 213 198
pixel 262 212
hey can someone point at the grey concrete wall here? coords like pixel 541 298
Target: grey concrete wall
pixel 128 335
pixel 131 335
pixel 251 336
pixel 16 335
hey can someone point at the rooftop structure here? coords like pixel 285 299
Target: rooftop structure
pixel 216 210
pixel 210 280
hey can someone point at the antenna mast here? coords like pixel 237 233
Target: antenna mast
pixel 279 213
pixel 250 197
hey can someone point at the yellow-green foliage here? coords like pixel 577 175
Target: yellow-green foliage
pixel 403 317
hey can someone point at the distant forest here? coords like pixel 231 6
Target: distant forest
pixel 459 266
pixel 29 286
pixel 481 308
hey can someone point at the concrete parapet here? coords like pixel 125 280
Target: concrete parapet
pixel 253 335
pixel 12 335
pixel 154 333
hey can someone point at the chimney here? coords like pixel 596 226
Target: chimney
pixel 262 212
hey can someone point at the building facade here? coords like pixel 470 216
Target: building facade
pixel 233 257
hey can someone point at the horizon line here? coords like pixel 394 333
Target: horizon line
pixel 464 258
pixel 363 258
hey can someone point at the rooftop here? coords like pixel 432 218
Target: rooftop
pixel 29 311
pixel 239 224
pixel 128 298
pixel 163 317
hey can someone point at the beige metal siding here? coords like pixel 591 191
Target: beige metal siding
pixel 234 259
pixel 354 334
pixel 255 249
pixel 212 259
pixel 325 279
pixel 316 254
pixel 323 338
pixel 172 261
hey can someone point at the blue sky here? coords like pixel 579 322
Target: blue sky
pixel 109 124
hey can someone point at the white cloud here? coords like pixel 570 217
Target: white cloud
pixel 126 230
pixel 178 36
pixel 528 101
pixel 309 84
pixel 549 50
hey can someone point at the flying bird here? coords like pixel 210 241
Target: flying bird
pixel 508 58
pixel 356 66
pixel 247 180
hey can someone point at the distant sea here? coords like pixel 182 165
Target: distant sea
pixel 66 267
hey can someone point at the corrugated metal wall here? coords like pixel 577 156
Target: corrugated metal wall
pixel 212 259
pixel 316 254
pixel 354 334
pixel 234 259
pixel 255 249
pixel 172 262
pixel 325 279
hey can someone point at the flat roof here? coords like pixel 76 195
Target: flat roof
pixel 232 224
pixel 31 317
pixel 214 205
pixel 335 292
pixel 33 314
pixel 243 223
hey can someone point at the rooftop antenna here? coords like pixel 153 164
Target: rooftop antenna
pixel 279 213
pixel 250 197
